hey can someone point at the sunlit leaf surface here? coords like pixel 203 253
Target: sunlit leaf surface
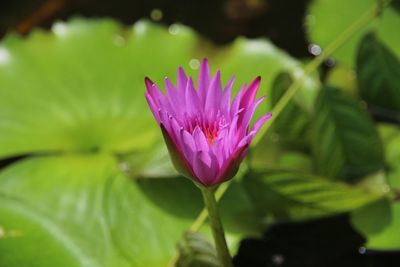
pixel 90 214
pixel 80 87
pixel 327 19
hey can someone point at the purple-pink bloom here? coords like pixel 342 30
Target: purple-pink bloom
pixel 207 135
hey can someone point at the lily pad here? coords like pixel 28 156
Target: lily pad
pixel 90 214
pixel 80 87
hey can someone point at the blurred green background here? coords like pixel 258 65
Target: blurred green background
pixel 85 179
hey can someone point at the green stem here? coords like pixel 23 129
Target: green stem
pixel 203 214
pixel 216 226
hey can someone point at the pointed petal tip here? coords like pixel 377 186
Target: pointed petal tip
pixel 149 83
pixel 181 70
pixel 181 73
pixel 257 80
pixel 255 83
pixel 204 65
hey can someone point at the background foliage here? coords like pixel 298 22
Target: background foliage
pixel 93 185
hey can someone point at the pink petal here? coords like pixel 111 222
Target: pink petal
pixel 250 93
pixel 200 140
pixel 181 79
pixel 205 173
pixel 162 114
pixel 189 147
pixel 214 93
pixel 179 162
pixel 231 166
pixel 168 84
pixel 246 116
pixel 153 107
pixel 192 101
pixel 203 81
pixel 226 97
pixel 176 99
pixel 236 101
pixel 260 122
pixel 153 89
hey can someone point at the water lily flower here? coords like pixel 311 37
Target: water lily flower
pixel 206 133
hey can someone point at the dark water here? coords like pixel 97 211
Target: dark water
pixel 221 21
pixel 329 242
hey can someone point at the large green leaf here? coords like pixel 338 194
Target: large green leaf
pixel 28 239
pixel 147 220
pixel 346 143
pixel 80 87
pixel 327 19
pixel 378 74
pixel 76 201
pixel 90 214
pixel 290 194
pixel 63 197
pixel 380 223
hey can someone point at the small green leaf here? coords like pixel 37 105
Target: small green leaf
pixel 380 223
pixel 346 143
pixel 378 74
pixel 292 125
pixel 196 251
pixel 288 194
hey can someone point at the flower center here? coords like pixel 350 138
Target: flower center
pixel 210 134
pixel 209 126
